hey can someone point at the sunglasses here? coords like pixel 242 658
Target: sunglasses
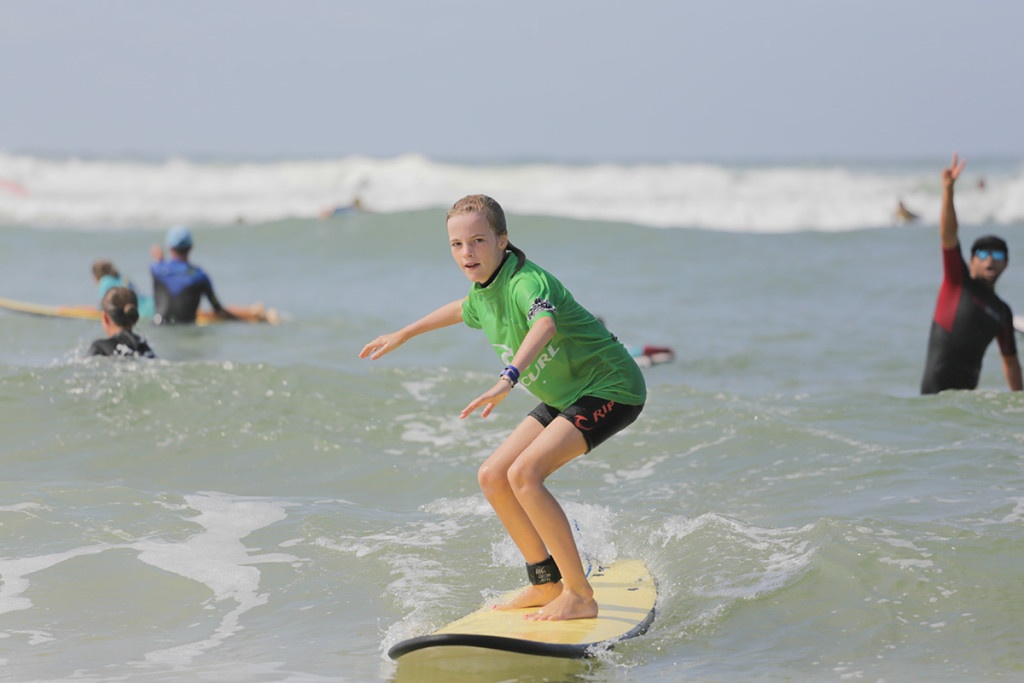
pixel 996 254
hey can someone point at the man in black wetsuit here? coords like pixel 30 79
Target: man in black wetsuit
pixel 178 286
pixel 968 314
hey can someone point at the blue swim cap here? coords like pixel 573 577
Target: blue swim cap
pixel 179 238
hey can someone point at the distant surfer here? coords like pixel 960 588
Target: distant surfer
pixel 903 214
pixel 649 355
pixel 589 386
pixel 354 206
pixel 120 313
pixel 179 286
pixel 106 275
pixel 331 211
pixel 968 314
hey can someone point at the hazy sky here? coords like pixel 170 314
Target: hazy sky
pixel 521 79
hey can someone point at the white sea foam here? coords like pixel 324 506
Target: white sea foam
pixel 765 559
pixel 1017 514
pixel 761 198
pixel 14 572
pixel 217 558
pixel 214 557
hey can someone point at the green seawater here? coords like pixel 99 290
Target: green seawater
pixel 261 505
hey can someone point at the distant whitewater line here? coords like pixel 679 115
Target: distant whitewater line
pixel 73 192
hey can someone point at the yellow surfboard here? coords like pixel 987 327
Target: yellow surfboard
pixel 625 592
pixel 79 312
pixel 251 314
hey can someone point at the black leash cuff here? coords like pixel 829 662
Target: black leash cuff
pixel 544 572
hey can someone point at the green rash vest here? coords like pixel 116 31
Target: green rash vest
pixel 582 359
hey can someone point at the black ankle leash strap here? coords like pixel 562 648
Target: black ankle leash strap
pixel 543 572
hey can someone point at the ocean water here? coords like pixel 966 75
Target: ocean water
pixel 261 505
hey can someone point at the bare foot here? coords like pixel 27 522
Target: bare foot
pixel 566 606
pixel 532 596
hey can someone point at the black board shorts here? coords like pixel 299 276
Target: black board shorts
pixel 596 418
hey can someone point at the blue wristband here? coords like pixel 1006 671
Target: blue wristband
pixel 510 373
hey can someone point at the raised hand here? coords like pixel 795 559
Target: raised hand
pixel 952 172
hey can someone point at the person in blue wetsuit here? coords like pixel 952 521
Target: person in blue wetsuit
pixel 968 314
pixel 120 313
pixel 179 286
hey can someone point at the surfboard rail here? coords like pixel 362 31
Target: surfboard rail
pixel 518 645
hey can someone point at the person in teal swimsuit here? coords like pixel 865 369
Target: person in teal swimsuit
pixel 588 384
pixel 106 275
